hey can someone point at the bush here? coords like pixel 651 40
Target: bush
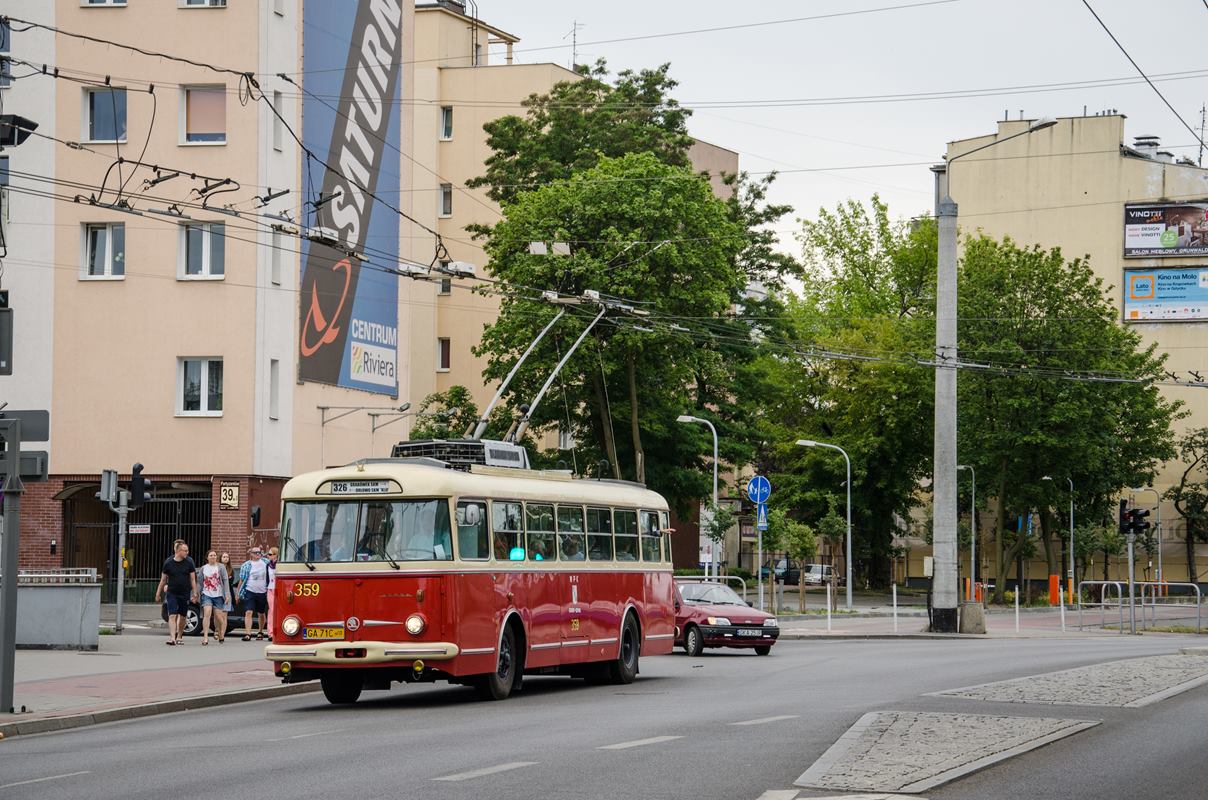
pixel 1008 597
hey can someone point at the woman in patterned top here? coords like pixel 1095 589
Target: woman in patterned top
pixel 215 597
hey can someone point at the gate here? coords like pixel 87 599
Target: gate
pixel 91 540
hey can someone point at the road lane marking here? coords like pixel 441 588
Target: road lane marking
pixel 638 743
pixel 478 773
pixel 779 794
pixel 762 720
pixel 305 735
pixel 47 778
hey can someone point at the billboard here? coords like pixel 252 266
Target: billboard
pixel 348 310
pixel 1166 229
pixel 1154 295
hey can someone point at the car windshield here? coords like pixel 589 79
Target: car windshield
pixel 371 530
pixel 711 593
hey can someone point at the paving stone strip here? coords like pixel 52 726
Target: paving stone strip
pixel 1131 683
pixel 913 751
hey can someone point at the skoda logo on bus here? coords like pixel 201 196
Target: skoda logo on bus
pixel 353 623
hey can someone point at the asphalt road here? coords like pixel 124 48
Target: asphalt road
pixel 675 733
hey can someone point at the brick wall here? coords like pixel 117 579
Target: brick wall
pixel 41 522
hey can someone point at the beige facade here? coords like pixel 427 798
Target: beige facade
pixel 1066 186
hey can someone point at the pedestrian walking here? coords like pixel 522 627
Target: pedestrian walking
pixel 179 578
pixel 215 597
pixel 225 561
pixel 272 585
pixel 253 591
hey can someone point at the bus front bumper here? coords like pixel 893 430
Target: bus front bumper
pixel 345 653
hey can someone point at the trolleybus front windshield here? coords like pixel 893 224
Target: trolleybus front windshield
pixel 368 530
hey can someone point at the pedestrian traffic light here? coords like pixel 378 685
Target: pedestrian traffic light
pixel 1124 517
pixel 140 488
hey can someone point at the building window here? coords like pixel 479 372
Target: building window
pixel 202 3
pixel 477 54
pixel 444 355
pixel 277 256
pixel 446 122
pixel 446 286
pixel 199 387
pixel 278 125
pixel 102 2
pixel 104 250
pixel 204 115
pixel 274 388
pixel 3 170
pixel 105 115
pixel 446 199
pixel 202 250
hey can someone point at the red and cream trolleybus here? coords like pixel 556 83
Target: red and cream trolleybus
pixel 418 569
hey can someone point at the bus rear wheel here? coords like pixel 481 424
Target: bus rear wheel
pixel 498 685
pixel 341 689
pixel 625 668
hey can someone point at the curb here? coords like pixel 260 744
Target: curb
pixel 55 724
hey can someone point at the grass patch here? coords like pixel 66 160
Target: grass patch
pixel 1163 629
pixel 107 632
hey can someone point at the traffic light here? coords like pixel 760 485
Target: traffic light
pixel 140 488
pixel 6 335
pixel 1136 522
pixel 1124 517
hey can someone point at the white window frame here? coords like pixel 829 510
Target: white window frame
pixel 183 116
pixel 276 257
pixel 103 4
pixel 274 388
pixel 278 125
pixel 439 341
pixel 205 386
pixel 86 115
pixel 446 191
pixel 445 287
pixel 108 274
pixel 207 262
pixel 446 123
pixel 201 4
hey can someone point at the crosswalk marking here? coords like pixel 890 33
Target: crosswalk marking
pixel 478 773
pixel 762 720
pixel 638 743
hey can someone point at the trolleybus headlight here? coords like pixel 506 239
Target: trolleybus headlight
pixel 771 622
pixel 719 621
pixel 290 625
pixel 415 624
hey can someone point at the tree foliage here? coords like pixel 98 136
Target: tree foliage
pixel 1190 494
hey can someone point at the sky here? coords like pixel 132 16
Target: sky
pixel 966 46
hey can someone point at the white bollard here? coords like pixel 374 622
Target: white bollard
pixel 828 608
pixel 895 608
pixel 1061 596
pixel 1017 611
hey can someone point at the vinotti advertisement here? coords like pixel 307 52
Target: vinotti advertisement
pixel 1166 295
pixel 348 310
pixel 1166 229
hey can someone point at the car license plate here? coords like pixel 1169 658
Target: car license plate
pixel 324 633
pixel 750 632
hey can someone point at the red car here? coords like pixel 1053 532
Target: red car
pixel 713 615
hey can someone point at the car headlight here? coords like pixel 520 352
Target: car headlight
pixel 291 625
pixel 415 624
pixel 771 622
pixel 719 621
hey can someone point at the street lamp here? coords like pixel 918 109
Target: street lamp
pixel 973 533
pixel 1157 500
pixel 944 469
pixel 691 419
pixel 1071 573
pixel 812 443
pixel 344 412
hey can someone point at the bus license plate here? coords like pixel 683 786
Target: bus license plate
pixel 750 632
pixel 324 633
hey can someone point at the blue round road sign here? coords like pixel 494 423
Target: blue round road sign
pixel 759 489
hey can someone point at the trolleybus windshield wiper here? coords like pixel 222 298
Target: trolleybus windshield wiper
pixel 393 563
pixel 298 552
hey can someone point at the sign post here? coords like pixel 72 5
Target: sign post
pixel 122 509
pixel 759 489
pixel 10 430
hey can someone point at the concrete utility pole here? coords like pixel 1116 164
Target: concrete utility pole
pixel 972 534
pixel 10 460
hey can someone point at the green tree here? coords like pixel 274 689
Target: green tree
pixel 1039 326
pixel 577 123
pixel 798 542
pixel 449 414
pixel 1190 494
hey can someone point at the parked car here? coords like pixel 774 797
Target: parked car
pixel 818 574
pixel 713 615
pixel 193 619
pixel 778 570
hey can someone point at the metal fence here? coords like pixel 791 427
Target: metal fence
pixel 1157 606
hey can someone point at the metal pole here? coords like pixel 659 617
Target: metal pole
pixel 759 564
pixel 123 509
pixel 1132 610
pixel 1017 609
pixel 486 415
pixel 850 573
pixel 1072 572
pixel 1061 595
pixel 944 468
pixel 716 571
pixel 9 549
pixel 895 608
pixel 973 540
pixel 828 608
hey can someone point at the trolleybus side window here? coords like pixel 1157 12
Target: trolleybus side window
pixel 473 541
pixel 665 522
pixel 507 533
pixel 627 534
pixel 539 522
pixel 570 533
pixel 599 534
pixel 650 536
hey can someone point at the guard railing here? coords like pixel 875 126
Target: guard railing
pixel 1102 603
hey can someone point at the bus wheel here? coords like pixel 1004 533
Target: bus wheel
pixel 341 689
pixel 694 643
pixel 625 668
pixel 498 685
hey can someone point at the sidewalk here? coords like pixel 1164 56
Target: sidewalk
pixel 135 674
